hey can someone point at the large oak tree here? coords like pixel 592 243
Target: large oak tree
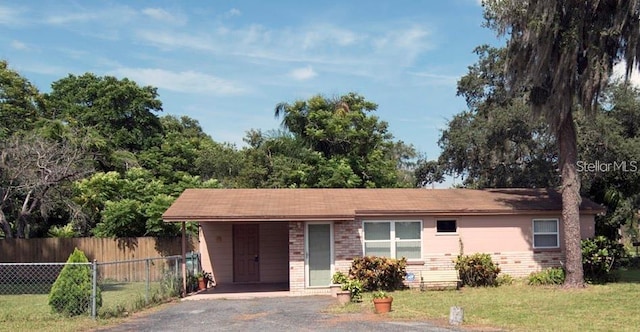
pixel 562 53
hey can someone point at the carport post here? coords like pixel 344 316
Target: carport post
pixel 184 260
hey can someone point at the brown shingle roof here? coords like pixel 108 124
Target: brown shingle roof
pixel 346 204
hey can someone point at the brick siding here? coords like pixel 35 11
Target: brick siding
pixel 348 244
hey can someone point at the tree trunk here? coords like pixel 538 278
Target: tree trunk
pixel 4 224
pixel 23 215
pixel 567 142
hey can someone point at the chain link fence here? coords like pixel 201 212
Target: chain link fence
pixel 113 288
pixel 127 286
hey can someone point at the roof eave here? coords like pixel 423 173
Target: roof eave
pixel 258 218
pixel 373 213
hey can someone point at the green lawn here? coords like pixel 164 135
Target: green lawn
pixel 31 312
pixel 520 307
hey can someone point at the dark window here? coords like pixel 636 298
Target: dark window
pixel 446 226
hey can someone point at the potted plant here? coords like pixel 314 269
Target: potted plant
pixel 343 295
pixel 202 282
pixel 337 280
pixel 355 289
pixel 382 302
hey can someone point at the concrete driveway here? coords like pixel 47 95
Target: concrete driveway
pixel 303 313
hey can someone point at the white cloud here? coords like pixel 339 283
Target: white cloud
pixel 18 45
pixel 164 16
pixel 233 12
pixel 170 40
pixel 185 81
pixel 43 69
pixel 71 18
pixel 438 79
pixel 361 51
pixel 404 44
pixel 321 36
pixel 99 17
pixel 303 74
pixel 10 16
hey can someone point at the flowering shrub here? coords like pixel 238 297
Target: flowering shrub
pixel 379 273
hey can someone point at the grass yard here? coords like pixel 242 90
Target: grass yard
pixel 520 307
pixel 31 312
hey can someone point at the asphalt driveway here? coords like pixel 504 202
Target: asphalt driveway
pixel 304 313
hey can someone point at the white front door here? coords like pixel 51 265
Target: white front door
pixel 319 254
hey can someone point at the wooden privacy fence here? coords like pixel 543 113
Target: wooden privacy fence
pixel 57 250
pixel 122 260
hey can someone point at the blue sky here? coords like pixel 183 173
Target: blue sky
pixel 228 63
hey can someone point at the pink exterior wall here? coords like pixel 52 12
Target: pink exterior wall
pixel 216 248
pixel 507 238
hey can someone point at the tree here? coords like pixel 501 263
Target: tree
pixel 71 293
pixel 277 159
pixel 120 111
pixel 131 204
pixel 36 172
pixel 182 144
pixel 496 143
pixel 20 102
pixel 562 54
pixel 355 148
pixel 611 139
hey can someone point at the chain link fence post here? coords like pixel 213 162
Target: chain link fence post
pixel 94 289
pixel 148 280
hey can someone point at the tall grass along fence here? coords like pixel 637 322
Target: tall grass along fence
pixel 118 287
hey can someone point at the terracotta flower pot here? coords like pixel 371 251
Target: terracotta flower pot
pixel 382 305
pixel 202 283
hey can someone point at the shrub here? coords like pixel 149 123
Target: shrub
pixel 477 270
pixel 379 273
pixel 600 257
pixel 380 295
pixel 504 279
pixel 551 276
pixel 339 278
pixel 354 287
pixel 71 292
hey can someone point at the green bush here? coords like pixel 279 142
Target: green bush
pixel 600 257
pixel 504 280
pixel 477 270
pixel 339 278
pixel 379 273
pixel 354 287
pixel 551 276
pixel 71 292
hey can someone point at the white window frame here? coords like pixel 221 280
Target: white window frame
pixel 392 238
pixel 556 233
